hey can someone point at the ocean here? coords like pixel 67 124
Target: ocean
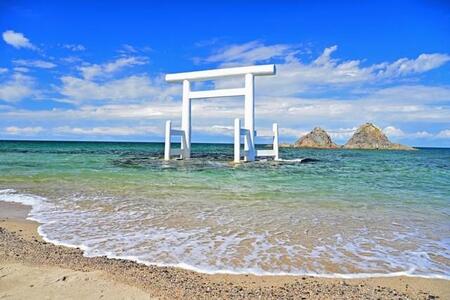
pixel 331 213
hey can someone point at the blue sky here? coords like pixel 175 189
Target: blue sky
pixel 94 71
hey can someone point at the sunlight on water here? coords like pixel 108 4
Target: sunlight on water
pixel 344 212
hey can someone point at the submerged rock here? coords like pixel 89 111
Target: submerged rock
pixel 368 136
pixel 309 160
pixel 318 138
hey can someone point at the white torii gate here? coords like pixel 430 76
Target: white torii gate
pixel 250 153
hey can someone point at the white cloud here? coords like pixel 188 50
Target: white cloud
pixel 297 113
pixel 335 94
pixel 16 88
pixel 220 130
pixel 34 63
pixel 295 76
pixel 391 131
pixel 21 69
pixel 444 134
pixel 154 110
pixel 277 96
pixel 3 70
pixel 5 107
pixel 341 133
pixel 112 112
pixel 126 48
pixel 292 132
pixel 17 40
pixel 411 94
pixel 108 131
pixel 249 53
pixel 13 130
pixel 90 72
pixel 129 48
pixel 405 66
pixel 130 89
pixel 74 47
pixel 325 58
pixel 71 59
pixel 422 134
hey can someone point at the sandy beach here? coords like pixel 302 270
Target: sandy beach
pixel 33 268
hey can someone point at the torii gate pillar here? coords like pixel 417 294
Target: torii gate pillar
pixel 186 120
pixel 249 117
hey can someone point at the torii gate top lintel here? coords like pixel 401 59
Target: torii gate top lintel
pixel 260 70
pixel 247 91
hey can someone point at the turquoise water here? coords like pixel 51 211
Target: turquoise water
pixel 347 213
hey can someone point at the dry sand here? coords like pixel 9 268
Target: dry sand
pixel 22 281
pixel 30 268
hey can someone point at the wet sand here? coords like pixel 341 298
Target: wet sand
pixel 33 268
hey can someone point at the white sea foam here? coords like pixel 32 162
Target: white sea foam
pixel 143 236
pixel 10 195
pixel 291 160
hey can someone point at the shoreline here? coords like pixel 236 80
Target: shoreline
pixel 22 249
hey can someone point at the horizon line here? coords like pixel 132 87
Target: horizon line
pixel 162 142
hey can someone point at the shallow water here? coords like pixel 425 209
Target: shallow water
pixel 343 213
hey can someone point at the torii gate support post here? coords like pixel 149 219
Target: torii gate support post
pixel 249 120
pixel 186 120
pixel 237 140
pixel 275 141
pixel 167 143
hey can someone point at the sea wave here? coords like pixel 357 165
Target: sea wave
pixel 11 195
pixel 45 213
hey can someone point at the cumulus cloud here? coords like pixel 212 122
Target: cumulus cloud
pixel 296 76
pixel 411 94
pixel 336 94
pixel 112 112
pixel 220 130
pixel 92 71
pixel 341 133
pixel 405 66
pixel 74 47
pixel 42 64
pixel 17 40
pixel 108 131
pixel 292 132
pixel 248 53
pixel 391 131
pixel 444 134
pixel 129 88
pixel 13 130
pixel 422 134
pixel 128 49
pixel 21 70
pixel 16 88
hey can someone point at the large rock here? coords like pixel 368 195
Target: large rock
pixel 318 138
pixel 368 136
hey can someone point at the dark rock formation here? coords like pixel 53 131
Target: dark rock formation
pixel 368 136
pixel 318 138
